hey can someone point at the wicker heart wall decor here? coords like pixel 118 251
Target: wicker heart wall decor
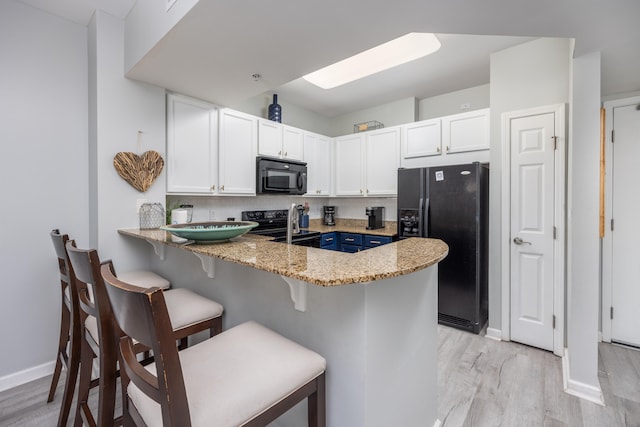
pixel 139 171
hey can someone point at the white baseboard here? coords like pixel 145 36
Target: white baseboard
pixel 577 388
pixel 23 377
pixel 494 334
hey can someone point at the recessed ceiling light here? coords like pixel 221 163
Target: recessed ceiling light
pixel 387 55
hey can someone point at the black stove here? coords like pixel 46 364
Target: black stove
pixel 274 223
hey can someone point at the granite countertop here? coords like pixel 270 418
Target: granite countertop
pixel 317 266
pixel 354 226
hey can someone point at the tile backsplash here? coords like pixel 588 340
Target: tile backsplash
pixel 220 208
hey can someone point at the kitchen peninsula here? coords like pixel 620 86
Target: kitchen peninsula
pixel 372 315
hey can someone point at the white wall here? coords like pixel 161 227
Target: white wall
pixel 443 105
pixel 122 108
pixel 147 23
pixel 43 159
pixel 390 114
pixel 529 75
pixel 583 241
pixel 292 114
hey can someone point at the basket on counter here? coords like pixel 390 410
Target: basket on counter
pixel 151 216
pixel 365 126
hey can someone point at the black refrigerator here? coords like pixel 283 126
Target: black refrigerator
pixel 451 203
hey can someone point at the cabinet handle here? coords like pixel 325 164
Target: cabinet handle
pixel 361 191
pixel 447 148
pixel 367 191
pixel 437 149
pixel 329 239
pixel 349 240
pixel 222 188
pixel 285 154
pixel 280 153
pixel 213 188
pixel 375 242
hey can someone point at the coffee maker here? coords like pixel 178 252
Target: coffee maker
pixel 375 215
pixel 329 215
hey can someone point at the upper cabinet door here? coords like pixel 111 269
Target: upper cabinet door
pixel 466 131
pixel 382 157
pixel 323 156
pixel 317 155
pixel 269 138
pixel 279 141
pixel 421 139
pixel 192 164
pixel 314 170
pixel 292 143
pixel 238 144
pixel 349 165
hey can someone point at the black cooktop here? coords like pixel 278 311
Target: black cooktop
pixel 274 223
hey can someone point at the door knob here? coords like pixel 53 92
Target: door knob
pixel 519 241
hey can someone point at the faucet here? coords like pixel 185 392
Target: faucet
pixel 292 223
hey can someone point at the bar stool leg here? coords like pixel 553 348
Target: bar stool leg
pixel 73 365
pixel 86 363
pixel 62 348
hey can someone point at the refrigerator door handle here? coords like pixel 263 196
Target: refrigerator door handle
pixel 424 220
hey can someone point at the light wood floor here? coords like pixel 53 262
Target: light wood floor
pixel 481 383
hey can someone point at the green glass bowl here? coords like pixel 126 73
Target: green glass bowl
pixel 210 232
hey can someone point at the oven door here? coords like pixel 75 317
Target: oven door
pixel 281 177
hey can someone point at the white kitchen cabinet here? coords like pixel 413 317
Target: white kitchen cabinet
pixel 279 141
pixel 420 139
pixel 466 131
pixel 238 140
pixel 192 163
pixel 269 138
pixel 317 155
pixel 367 163
pixel 382 158
pixel 292 143
pixel 349 165
pixel 446 140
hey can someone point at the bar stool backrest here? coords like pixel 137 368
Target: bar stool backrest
pixel 141 314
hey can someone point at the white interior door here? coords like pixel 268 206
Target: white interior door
pixel 625 282
pixel 532 140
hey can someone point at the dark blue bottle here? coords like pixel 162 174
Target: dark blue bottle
pixel 275 110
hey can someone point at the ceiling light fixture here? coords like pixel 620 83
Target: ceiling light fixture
pixel 387 55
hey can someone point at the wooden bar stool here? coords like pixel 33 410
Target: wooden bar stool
pixel 191 313
pixel 245 376
pixel 70 342
pixel 68 354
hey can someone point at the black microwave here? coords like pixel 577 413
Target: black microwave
pixel 276 176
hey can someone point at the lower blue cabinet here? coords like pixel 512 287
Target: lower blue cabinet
pixel 351 242
pixel 371 241
pixel 329 241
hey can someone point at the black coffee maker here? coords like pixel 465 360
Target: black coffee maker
pixel 376 220
pixel 329 215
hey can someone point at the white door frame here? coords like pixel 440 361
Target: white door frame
pixel 559 219
pixel 607 240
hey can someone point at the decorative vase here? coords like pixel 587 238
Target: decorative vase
pixel 275 110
